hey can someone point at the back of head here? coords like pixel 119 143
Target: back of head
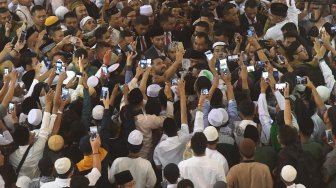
pixel 220 184
pixel 199 143
pixel 170 127
pixel 246 108
pixel 247 148
pixel 185 183
pixel 135 97
pixel 202 82
pixel 100 31
pixel 46 166
pixel 287 135
pixel 171 172
pixel 26 58
pixel 28 104
pixel 21 136
pixel 251 4
pixel 79 181
pixel 141 20
pixel 251 132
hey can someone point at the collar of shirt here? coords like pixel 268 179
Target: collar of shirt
pixel 244 123
pixel 251 21
pixel 62 182
pixel 172 186
pixel 160 53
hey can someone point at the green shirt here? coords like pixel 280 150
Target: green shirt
pixel 266 155
pixel 314 148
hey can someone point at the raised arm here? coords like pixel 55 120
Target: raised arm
pixel 183 101
pixel 288 110
pixel 172 69
pixel 86 111
pixel 9 95
pixel 143 83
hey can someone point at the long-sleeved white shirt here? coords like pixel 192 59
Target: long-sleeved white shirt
pixel 29 167
pixel 215 155
pixel 24 15
pixel 265 119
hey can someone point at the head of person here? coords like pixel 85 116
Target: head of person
pixel 170 127
pixel 201 42
pixel 102 34
pixel 79 9
pixel 101 49
pixel 330 118
pixel 46 166
pixel 167 22
pixel 135 4
pixel 87 24
pixel 221 35
pixel 185 183
pixel 278 12
pixel 64 168
pixel 246 109
pixel 288 174
pixel 70 20
pixel 251 9
pixel 39 15
pixel 172 51
pixel 124 179
pixel 126 37
pixel 26 3
pixel 147 10
pixel 129 15
pixel 28 60
pixel 211 135
pixel 158 66
pixel 289 27
pixel 5 16
pixel 80 53
pixel 79 181
pixel 199 144
pixel 114 17
pixel 296 52
pixel 231 14
pixel 333 8
pixel 219 50
pixel 171 173
pixel 157 37
pixel 207 16
pixel 247 148
pixel 202 82
pixel 141 25
pixel 3 4
pixel 251 132
pixel 201 26
pixel 134 144
pixel 56 34
pixel 287 135
pixel 22 136
pixel 59 56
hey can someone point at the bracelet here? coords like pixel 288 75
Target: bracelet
pixel 59 112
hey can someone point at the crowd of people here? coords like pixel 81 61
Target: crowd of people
pixel 167 93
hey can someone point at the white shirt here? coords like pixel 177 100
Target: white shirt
pixel 141 170
pixel 296 186
pixel 29 167
pixel 216 156
pixel 202 171
pixel 240 129
pixel 93 177
pixel 171 150
pixel 24 15
pixel 240 6
pixel 6 138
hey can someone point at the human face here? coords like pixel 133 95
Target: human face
pixel 116 20
pixel 219 51
pixel 233 16
pixel 333 10
pixel 158 66
pixel 106 37
pixel 199 44
pixel 199 29
pixel 151 19
pixel 81 12
pixel 251 13
pixel 141 29
pixel 131 16
pixel 158 42
pixel 172 53
pixel 5 17
pixel 169 25
pixel 89 25
pixel 39 17
pixel 35 62
pixel 288 41
pixel 57 36
pixel 135 4
pixel 176 12
pixel 301 54
pixel 71 23
pixel 3 3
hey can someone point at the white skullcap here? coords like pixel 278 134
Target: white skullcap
pixel 92 81
pixel 61 11
pixel 146 10
pixel 35 116
pixel 218 44
pixel 288 173
pixel 210 133
pixel 135 137
pixel 62 165
pixel 153 90
pixel 97 112
pixel 83 21
pixel 324 92
pixel 217 117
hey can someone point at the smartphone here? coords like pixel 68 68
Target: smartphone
pixel 129 48
pixel 205 92
pixel 11 107
pixel 280 86
pixel 333 29
pixel 65 93
pixel 104 93
pixel 265 76
pixel 233 58
pixel 263 43
pixel 185 64
pixel 281 59
pixel 276 75
pixel 209 55
pixel 143 63
pixel 73 40
pixel 223 68
pixel 104 70
pixel 250 31
pixel 93 129
pixel 250 68
pixel 59 66
pixel 117 51
pixel 329 136
pixel 79 75
pixel 22 37
pixel 260 65
pixel 174 82
pixel 6 71
pixel 149 62
pixel 301 80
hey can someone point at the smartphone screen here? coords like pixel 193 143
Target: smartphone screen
pixel 205 92
pixel 265 75
pixel 250 68
pixel 58 67
pixel 22 36
pixel 104 93
pixel 280 86
pixel 174 82
pixel 143 63
pixel 233 57
pixel 129 48
pixel 105 70
pixel 329 136
pixel 185 64
pixel 149 62
pixel 65 93
pixel 209 55
pixel 223 66
pixel 6 71
pixel 301 80
pixel 11 107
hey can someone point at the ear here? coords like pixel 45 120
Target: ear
pixel 151 39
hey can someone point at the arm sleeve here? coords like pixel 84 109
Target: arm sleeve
pixel 86 112
pixel 198 126
pixel 6 139
pixel 280 99
pixel 93 176
pixel 233 110
pixel 205 110
pixel 170 109
pixel 293 12
pixel 31 89
pixel 104 132
pixel 328 76
pixel 151 177
pixel 128 75
pixel 265 119
pixel 183 134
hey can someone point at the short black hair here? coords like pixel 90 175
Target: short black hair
pixel 3 10
pixel 79 181
pixel 290 27
pixel 207 13
pixel 227 7
pixel 251 132
pixel 251 4
pixel 164 18
pixel 247 108
pixel 126 33
pixel 141 20
pixel 134 148
pixel 100 31
pixel 28 104
pixel 199 143
pixel 80 52
pixel 171 172
pixel 26 58
pixel 202 82
pixel 52 29
pixel 185 183
pixel 287 135
pixel 70 15
pixel 203 35
pixel 36 8
pixel 102 45
pixel 46 166
pixel 170 127
pixel 217 98
pixel 21 136
pixel 203 24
